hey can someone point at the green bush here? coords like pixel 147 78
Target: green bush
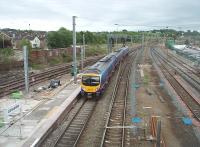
pixel 93 50
pixel 66 58
pixel 37 66
pixel 1 121
pixel 7 52
pixel 54 61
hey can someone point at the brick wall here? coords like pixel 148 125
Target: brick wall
pixel 42 56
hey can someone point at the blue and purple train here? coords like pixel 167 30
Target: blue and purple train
pixel 95 78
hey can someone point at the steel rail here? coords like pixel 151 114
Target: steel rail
pixel 19 84
pixel 189 67
pixel 125 108
pixel 195 83
pixel 189 101
pixel 72 126
pixel 46 71
pixel 71 135
pixel 114 107
pixel 111 104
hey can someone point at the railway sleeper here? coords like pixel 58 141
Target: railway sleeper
pixel 73 131
pixel 114 135
pixel 115 140
pixel 75 125
pixel 79 123
pixel 66 138
pixel 114 120
pixel 70 136
pixel 62 145
pixel 115 123
pixel 66 144
pixel 73 128
pixel 115 126
pixel 66 141
pixel 80 119
pixel 111 143
pixel 119 115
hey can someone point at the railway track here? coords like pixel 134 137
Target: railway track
pixel 188 99
pixel 115 133
pixel 69 131
pixel 190 68
pixel 71 135
pixel 189 75
pixel 9 86
pixel 11 75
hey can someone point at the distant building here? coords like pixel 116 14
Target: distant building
pixel 36 38
pixel 35 42
pixel 5 40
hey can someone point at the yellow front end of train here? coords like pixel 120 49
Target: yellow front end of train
pixel 90 83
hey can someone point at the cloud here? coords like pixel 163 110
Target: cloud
pixel 100 14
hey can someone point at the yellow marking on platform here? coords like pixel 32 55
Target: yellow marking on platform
pixel 52 111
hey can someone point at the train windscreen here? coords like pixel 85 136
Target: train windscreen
pixel 90 80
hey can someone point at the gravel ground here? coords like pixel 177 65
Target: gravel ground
pixel 174 133
pixel 44 94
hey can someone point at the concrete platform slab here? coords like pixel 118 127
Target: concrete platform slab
pixel 34 115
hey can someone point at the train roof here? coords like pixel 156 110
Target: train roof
pixel 103 63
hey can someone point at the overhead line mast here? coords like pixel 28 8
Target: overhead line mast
pixel 74 49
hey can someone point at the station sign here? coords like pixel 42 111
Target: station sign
pixel 10 111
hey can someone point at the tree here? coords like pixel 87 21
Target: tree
pixel 89 37
pixel 25 42
pixel 59 39
pixel 124 30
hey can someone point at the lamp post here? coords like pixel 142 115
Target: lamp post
pixel 131 41
pixel 165 40
pixel 109 42
pixel 116 34
pixel 83 46
pixel 83 52
pixel 143 40
pixel 3 40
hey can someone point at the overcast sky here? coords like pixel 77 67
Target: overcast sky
pixel 100 15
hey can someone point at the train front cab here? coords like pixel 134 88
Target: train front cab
pixel 90 85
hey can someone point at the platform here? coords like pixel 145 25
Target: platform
pixel 34 115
